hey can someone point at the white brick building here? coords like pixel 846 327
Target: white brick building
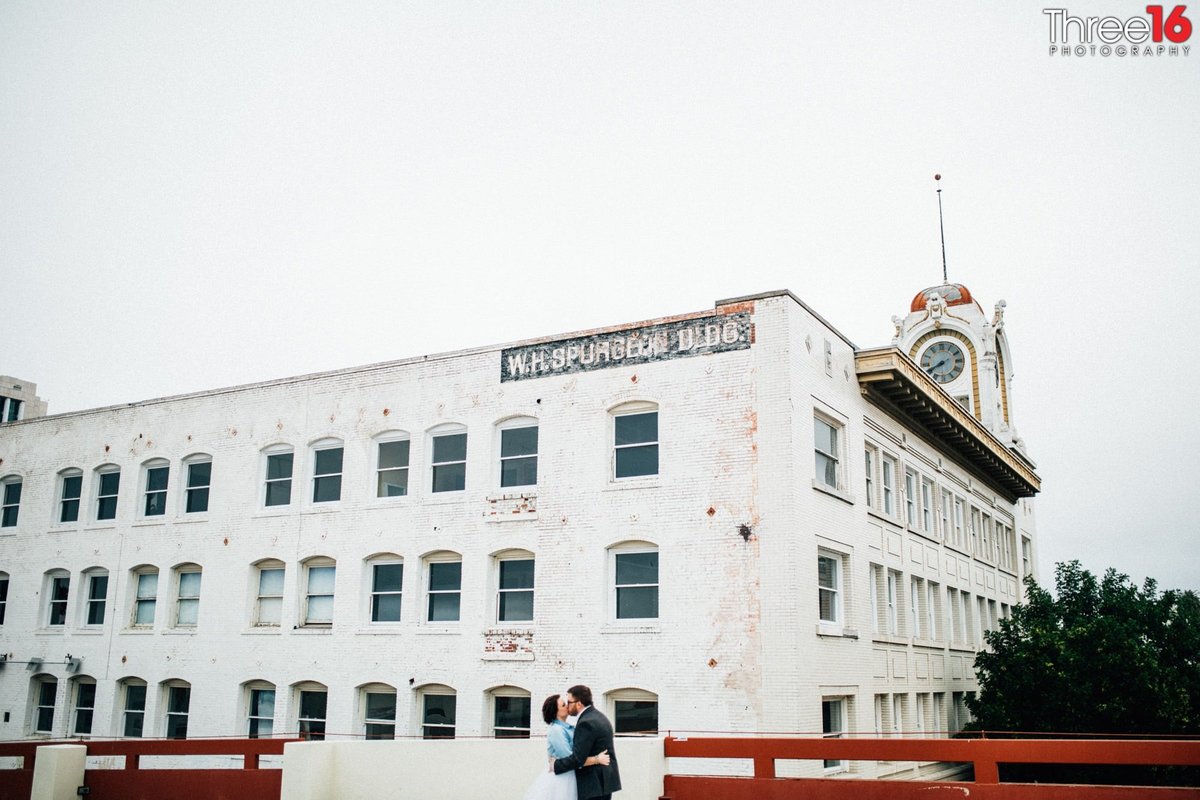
pixel 728 520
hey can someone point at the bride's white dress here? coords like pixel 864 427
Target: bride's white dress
pixel 547 785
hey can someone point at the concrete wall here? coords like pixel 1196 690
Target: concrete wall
pixel 446 770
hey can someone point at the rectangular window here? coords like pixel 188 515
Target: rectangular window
pixel 910 497
pixel 279 479
pixel 97 599
pixel 14 409
pixel 1026 556
pixel 893 614
pixel 85 707
pixel 826 452
pixel 959 523
pixel 134 713
pixel 379 720
pixel 318 601
pixel 976 525
pixel 637 585
pixel 311 716
pixel 43 713
pixel 829 583
pixel 869 462
pixel 179 698
pixel 874 577
pixel 897 714
pixel 515 601
pixel 922 699
pixel 511 719
pixel 147 598
pixel 450 462
pixel 387 587
pixel 932 605
pixel 60 588
pixel 635 444
pixel 12 504
pixel 3 597
pixel 915 590
pixel 889 486
pixel 445 590
pixel 968 624
pixel 439 716
pixel 939 714
pixel 518 456
pixel 199 479
pixel 392 473
pixel 635 716
pixel 833 725
pixel 188 603
pixel 270 597
pixel 327 475
pixel 106 495
pixel 946 510
pixel 156 491
pixel 262 713
pixel 926 506
pixel 72 488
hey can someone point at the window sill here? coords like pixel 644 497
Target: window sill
pixel 382 629
pixel 825 488
pixel 619 627
pixel 108 525
pixel 832 630
pixel 57 630
pixel 932 644
pixel 313 630
pixel 138 631
pixel 148 523
pixel 524 629
pixel 438 631
pixel 639 482
pixel 180 632
pixel 91 630
pixel 883 516
pixel 265 630
pixel 959 647
pixel 193 517
pixel 885 638
pixel 322 508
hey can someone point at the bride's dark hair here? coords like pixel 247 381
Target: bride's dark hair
pixel 550 709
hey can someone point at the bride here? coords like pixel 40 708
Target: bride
pixel 560 740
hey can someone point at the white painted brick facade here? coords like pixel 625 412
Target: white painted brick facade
pixel 736 645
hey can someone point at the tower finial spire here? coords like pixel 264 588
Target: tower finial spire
pixel 941 226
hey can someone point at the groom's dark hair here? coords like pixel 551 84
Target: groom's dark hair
pixel 581 693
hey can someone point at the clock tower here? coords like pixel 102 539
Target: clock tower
pixel 948 334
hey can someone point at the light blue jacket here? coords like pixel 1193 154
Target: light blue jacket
pixel 560 740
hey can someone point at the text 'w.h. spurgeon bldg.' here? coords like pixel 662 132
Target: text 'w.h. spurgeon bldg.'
pixel 732 520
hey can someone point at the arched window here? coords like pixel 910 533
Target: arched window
pixel 278 461
pixel 108 485
pixel 320 573
pixel 260 709
pixel 439 711
pixel 187 595
pixel 635 440
pixel 311 701
pixel 144 579
pixel 178 697
pixel 43 693
pixel 327 470
pixel 58 592
pixel 514 571
pixel 634 711
pixel 378 710
pixel 392 451
pixel 70 489
pixel 518 452
pixel 198 474
pixel 10 500
pixel 448 445
pixel 132 693
pixel 634 567
pixel 385 574
pixel 155 475
pixel 267 581
pixel 510 706
pixel 3 595
pixel 443 587
pixel 83 701
pixel 95 586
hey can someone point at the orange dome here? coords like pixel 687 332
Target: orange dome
pixel 955 294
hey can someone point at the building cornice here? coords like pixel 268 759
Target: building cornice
pixel 893 381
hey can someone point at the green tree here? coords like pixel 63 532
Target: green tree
pixel 1103 656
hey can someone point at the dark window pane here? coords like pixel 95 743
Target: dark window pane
pixel 637 568
pixel 156 479
pixel 279 493
pixel 385 608
pixel 393 454
pixel 445 575
pixel 327 490
pixel 107 508
pixel 177 726
pixel 133 723
pixel 8 518
pixel 381 706
pixel 197 500
pixel 444 607
pixel 135 698
pixel 636 428
pixel 83 721
pixel 452 447
pixel 516 606
pixel 313 704
pixel 12 493
pixel 392 483
pixel 519 471
pixel 110 482
pixel 72 486
pixel 450 478
pixel 388 577
pixel 70 511
pixel 635 716
pixel 512 712
pixel 516 574
pixel 328 462
pixel 199 474
pixel 518 442
pixel 637 603
pixel 178 700
pixel 377 731
pixel 440 709
pixel 634 461
pixel 279 466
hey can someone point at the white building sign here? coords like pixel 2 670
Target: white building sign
pixel 668 340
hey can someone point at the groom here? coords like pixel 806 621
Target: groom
pixel 593 735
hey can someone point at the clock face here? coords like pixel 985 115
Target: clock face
pixel 944 361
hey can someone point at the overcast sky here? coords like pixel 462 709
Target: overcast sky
pixel 196 195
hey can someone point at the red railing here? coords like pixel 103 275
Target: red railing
pixel 984 756
pixel 135 782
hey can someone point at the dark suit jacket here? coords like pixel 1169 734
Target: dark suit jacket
pixel 593 733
